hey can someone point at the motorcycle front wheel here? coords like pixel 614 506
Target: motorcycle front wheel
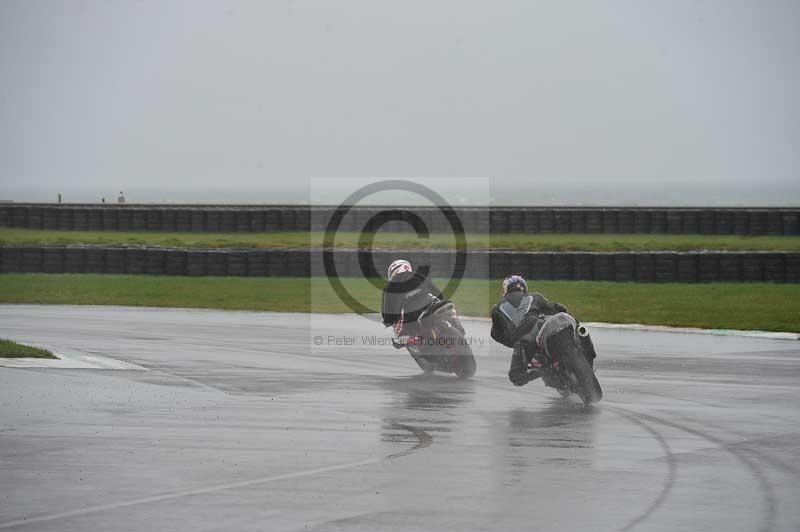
pixel 424 364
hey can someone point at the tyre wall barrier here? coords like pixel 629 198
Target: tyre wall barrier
pixel 499 220
pixel 659 266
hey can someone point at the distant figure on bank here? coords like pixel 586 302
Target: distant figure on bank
pixel 121 198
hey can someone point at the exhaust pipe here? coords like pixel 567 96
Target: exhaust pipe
pixel 586 344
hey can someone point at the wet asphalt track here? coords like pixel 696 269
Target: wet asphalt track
pixel 243 424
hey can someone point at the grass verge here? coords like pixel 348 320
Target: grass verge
pixel 748 306
pixel 9 349
pixel 521 242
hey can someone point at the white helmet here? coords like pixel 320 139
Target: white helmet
pixel 398 266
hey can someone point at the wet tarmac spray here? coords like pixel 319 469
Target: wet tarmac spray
pixel 226 431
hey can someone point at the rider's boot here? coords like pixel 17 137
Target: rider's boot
pixel 518 372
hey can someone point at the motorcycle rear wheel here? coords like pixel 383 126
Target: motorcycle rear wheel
pixel 573 361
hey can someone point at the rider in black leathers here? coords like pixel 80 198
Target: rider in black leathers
pixel 518 317
pixel 405 296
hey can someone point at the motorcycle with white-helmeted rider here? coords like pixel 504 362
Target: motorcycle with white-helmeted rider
pixel 547 342
pixel 425 322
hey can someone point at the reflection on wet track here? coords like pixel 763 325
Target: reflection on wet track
pixel 243 423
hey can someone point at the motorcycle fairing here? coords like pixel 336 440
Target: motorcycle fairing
pixel 553 325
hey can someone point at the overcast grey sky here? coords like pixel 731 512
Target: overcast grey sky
pixel 682 102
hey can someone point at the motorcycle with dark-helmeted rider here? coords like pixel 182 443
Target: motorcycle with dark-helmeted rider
pixel 547 342
pixel 425 322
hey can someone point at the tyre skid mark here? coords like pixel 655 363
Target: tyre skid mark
pixel 769 503
pixel 782 419
pixel 769 510
pixel 672 468
pixel 423 440
pixel 747 446
pixel 771 460
pixel 672 463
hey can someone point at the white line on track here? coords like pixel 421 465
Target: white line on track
pixel 680 330
pixel 70 359
pixel 187 493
